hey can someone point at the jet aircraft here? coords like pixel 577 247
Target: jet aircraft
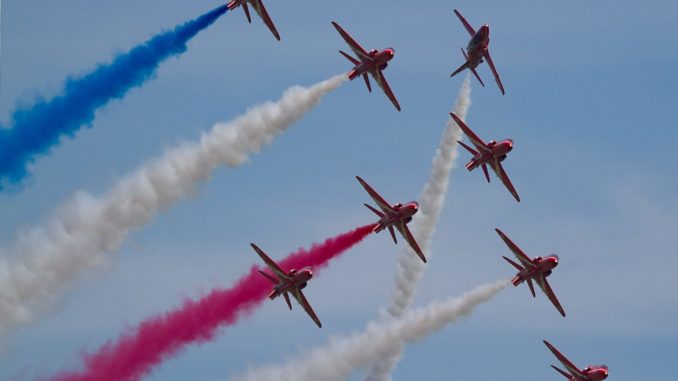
pixel 536 269
pixel 476 50
pixel 397 216
pixel 372 62
pixel 259 8
pixel 590 373
pixel 491 153
pixel 291 282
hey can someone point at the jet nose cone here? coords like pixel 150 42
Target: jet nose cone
pixel 554 259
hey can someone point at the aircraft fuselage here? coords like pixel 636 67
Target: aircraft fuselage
pixel 377 60
pixel 403 212
pixel 477 46
pixel 497 150
pixel 542 266
pixel 299 278
pixel 595 372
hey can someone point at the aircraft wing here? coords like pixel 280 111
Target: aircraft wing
pixel 468 26
pixel 357 49
pixel 499 171
pixel 494 71
pixel 381 81
pixel 544 285
pixel 270 263
pixel 261 11
pixel 563 360
pixel 524 259
pixel 480 145
pixel 407 234
pixel 301 299
pixel 385 206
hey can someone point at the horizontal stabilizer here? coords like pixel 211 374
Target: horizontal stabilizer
pixel 247 12
pixel 487 175
pixel 367 82
pixel 477 76
pixel 390 230
pixel 348 57
pixel 529 283
pixel 378 213
pixel 273 280
pixel 460 69
pixel 287 299
pixel 565 374
pixel 471 150
pixel 517 266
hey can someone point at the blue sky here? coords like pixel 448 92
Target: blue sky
pixel 589 104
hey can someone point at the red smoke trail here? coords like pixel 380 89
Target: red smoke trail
pixel 136 352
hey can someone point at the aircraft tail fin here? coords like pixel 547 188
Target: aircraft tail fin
pixel 348 57
pixel 487 175
pixel 287 299
pixel 378 213
pixel 269 277
pixel 367 82
pixel 246 8
pixel 390 230
pixel 565 374
pixel 471 150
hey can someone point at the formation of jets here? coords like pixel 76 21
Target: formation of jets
pixel 398 216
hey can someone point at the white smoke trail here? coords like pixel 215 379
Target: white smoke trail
pixel 341 356
pixel 431 201
pixel 47 258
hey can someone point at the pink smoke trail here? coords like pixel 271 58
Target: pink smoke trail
pixel 138 351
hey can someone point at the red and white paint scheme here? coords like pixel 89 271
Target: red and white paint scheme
pixel 259 8
pixel 372 62
pixel 398 216
pixel 536 269
pixel 491 153
pixel 572 373
pixel 476 50
pixel 291 282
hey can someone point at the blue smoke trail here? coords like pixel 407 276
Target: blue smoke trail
pixel 35 129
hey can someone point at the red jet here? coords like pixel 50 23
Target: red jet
pixel 372 62
pixel 476 50
pixel 288 282
pixel 397 216
pixel 491 154
pixel 538 269
pixel 259 8
pixel 590 373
